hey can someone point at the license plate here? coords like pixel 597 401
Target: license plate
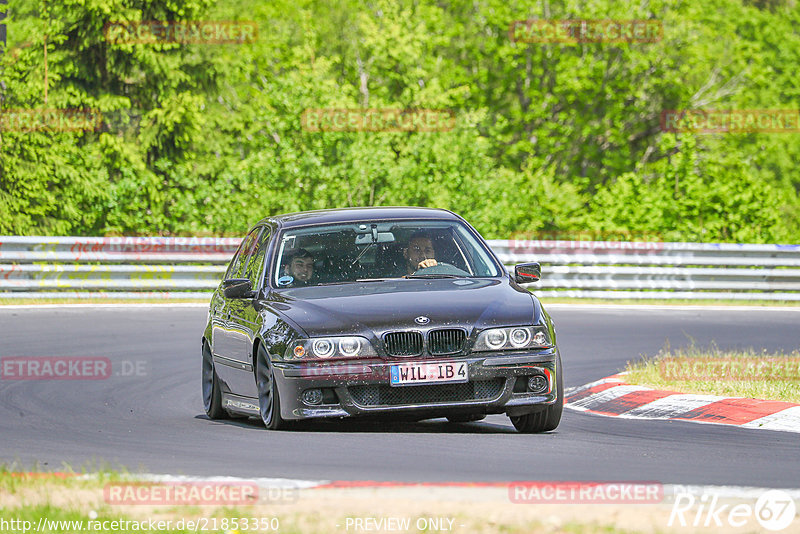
pixel 405 374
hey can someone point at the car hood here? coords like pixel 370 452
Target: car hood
pixel 376 307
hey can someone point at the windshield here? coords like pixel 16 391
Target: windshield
pixel 342 253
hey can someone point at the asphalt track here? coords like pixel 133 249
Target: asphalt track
pixel 154 423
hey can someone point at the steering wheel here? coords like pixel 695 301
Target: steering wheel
pixel 442 268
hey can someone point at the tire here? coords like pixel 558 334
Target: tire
pixel 549 418
pixel 269 401
pixel 466 418
pixel 212 396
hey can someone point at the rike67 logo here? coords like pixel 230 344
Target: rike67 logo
pixel 774 510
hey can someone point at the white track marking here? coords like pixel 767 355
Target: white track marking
pixel 673 406
pixel 787 420
pixel 604 396
pixel 733 492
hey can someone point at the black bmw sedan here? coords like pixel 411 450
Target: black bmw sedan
pixel 378 312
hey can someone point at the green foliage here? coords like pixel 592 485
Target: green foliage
pixel 207 138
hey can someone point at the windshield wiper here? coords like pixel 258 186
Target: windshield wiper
pixel 433 276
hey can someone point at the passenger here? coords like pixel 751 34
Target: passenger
pixel 300 267
pixel 419 253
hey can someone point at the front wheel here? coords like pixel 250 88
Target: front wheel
pixel 212 397
pixel 269 401
pixel 549 418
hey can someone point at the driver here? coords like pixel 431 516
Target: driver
pixel 300 267
pixel 419 253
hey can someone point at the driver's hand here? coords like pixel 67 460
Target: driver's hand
pixel 427 263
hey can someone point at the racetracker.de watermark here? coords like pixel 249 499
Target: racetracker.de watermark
pixel 590 242
pixel 589 235
pixel 181 32
pixel 181 493
pixel 195 493
pixel 573 31
pixel 152 245
pixel 336 370
pixel 734 369
pixel 68 368
pixel 378 120
pixel 731 120
pixel 50 120
pixel 577 492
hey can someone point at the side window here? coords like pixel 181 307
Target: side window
pixel 236 267
pixel 256 264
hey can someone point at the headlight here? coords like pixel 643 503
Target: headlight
pixel 329 347
pixel 496 338
pixel 322 348
pixel 514 338
pixel 349 346
pixel 520 337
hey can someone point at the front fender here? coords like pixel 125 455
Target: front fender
pixel 276 333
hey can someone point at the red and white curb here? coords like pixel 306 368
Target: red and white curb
pixel 613 397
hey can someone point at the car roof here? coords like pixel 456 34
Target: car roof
pixel 345 215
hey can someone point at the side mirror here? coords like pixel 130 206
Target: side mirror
pixel 527 272
pixel 238 288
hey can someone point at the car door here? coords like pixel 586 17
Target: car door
pixel 227 337
pixel 243 322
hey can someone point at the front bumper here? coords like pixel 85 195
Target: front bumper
pixel 361 387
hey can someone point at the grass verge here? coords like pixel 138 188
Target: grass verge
pixel 747 373
pixel 69 504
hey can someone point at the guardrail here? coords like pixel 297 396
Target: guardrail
pixel 641 270
pixel 112 267
pixel 168 268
